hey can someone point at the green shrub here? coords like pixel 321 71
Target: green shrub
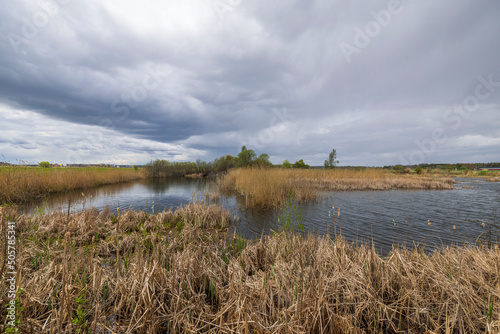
pixel 398 168
pixel 224 163
pixel 300 164
pixel 44 164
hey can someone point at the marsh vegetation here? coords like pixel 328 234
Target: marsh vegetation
pixel 179 271
pixel 264 187
pixel 20 184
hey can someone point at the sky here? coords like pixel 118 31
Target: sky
pixel 126 82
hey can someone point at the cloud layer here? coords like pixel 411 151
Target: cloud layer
pixel 383 83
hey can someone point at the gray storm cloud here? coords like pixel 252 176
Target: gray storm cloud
pixel 382 82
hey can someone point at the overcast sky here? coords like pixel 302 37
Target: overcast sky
pixel 382 82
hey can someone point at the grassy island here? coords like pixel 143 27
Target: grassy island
pixel 265 187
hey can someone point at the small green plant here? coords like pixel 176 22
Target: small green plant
pixel 241 244
pixel 184 289
pixel 488 312
pixel 242 262
pixel 419 170
pixel 212 290
pixel 105 293
pixel 54 296
pixel 126 261
pixel 14 325
pixel 81 313
pixel 179 226
pixel 35 260
pixel 85 278
pixel 41 210
pixel 290 217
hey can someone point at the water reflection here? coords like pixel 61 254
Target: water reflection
pixel 382 217
pixel 75 198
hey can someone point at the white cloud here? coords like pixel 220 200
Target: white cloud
pixel 477 141
pixel 30 136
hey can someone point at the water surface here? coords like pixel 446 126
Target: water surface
pixel 429 217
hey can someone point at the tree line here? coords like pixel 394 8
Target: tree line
pixel 246 158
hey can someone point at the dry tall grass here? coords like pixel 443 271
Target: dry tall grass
pixel 179 272
pixel 270 187
pixel 22 184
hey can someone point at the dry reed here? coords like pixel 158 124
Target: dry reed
pixel 22 184
pixel 180 272
pixel 270 187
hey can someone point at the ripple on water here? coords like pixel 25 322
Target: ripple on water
pixel 384 217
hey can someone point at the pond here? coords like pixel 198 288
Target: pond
pixel 384 218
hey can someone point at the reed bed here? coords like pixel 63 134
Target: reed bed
pixel 22 184
pixel 271 187
pixel 180 272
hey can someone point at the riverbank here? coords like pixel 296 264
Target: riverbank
pixel 271 187
pixel 179 271
pixel 23 184
pixel 461 173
